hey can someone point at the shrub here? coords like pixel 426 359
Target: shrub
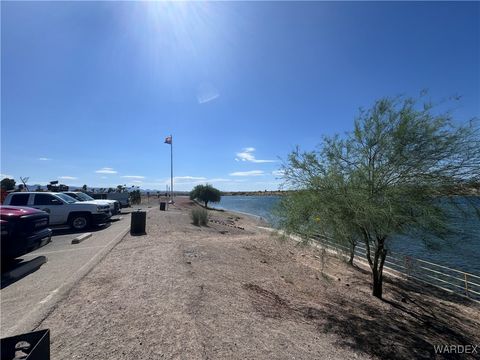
pixel 199 217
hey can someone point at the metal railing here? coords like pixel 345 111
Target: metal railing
pixel 446 278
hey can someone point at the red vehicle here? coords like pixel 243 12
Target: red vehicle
pixel 23 230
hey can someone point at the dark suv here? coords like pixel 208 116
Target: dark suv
pixel 23 230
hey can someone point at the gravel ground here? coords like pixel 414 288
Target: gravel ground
pixel 232 291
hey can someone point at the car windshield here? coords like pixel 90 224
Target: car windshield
pixel 84 197
pixel 66 198
pixel 73 195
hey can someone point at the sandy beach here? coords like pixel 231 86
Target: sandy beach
pixel 234 291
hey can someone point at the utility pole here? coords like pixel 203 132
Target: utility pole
pixel 169 140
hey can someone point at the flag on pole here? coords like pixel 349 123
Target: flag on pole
pixel 168 140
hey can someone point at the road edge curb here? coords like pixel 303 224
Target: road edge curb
pixel 33 320
pixel 80 238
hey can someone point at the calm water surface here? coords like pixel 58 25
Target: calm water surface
pixel 461 251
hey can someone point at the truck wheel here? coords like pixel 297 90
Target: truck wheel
pixel 79 222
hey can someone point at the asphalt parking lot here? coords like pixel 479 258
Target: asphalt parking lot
pixel 26 300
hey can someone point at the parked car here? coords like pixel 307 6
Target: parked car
pixel 122 197
pixel 62 208
pixel 80 196
pixel 23 230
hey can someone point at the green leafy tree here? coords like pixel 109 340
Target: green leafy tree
pixel 206 193
pixel 7 184
pixel 396 173
pixel 314 211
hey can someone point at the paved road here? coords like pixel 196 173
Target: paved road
pixel 25 302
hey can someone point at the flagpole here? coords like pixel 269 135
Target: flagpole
pixel 171 168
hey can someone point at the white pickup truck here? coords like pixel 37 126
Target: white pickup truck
pixel 80 196
pixel 62 208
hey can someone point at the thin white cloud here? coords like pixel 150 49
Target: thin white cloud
pixel 67 178
pixel 183 180
pixel 278 172
pixel 133 177
pixel 106 170
pixel 137 181
pixel 189 178
pixel 103 177
pixel 44 159
pixel 247 155
pixel 248 173
pixel 204 98
pixel 6 176
pixel 206 93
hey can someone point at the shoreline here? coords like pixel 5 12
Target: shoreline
pixel 255 217
pixel 184 291
pixel 394 271
pixel 234 212
pixel 444 255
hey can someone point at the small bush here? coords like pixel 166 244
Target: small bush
pixel 199 217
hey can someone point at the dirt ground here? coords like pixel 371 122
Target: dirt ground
pixel 233 291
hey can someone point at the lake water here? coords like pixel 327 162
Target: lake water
pixel 461 251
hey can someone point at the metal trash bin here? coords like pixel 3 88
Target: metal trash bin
pixel 35 344
pixel 163 206
pixel 138 222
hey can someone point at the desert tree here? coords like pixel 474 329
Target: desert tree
pixel 314 210
pixel 206 193
pixel 7 184
pixel 397 172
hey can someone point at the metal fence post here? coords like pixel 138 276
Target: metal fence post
pixel 466 284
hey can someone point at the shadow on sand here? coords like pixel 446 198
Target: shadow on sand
pixel 406 325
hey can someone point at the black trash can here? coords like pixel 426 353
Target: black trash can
pixel 163 206
pixel 138 222
pixel 36 345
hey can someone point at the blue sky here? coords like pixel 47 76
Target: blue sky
pixel 90 90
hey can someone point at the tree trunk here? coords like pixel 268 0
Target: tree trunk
pixel 377 288
pixel 352 253
pixel 376 264
pixel 377 268
pixel 206 202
